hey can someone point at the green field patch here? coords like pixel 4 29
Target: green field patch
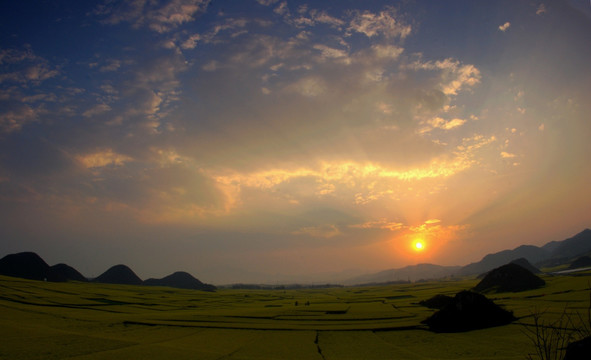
pixel 102 321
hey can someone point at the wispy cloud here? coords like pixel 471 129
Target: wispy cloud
pixel 156 16
pixel 505 26
pixel 387 23
pixel 103 158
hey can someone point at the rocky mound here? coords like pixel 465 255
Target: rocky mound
pixel 509 278
pixel 437 301
pixel 582 262
pixel 468 311
pixel 119 274
pixel 27 265
pixel 578 349
pixel 181 280
pixel 526 265
pixel 67 273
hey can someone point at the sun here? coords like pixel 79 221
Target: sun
pixel 418 245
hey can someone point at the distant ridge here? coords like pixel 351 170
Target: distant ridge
pixel 407 273
pixel 181 280
pixel 531 253
pixel 119 274
pixel 552 254
pixel 67 273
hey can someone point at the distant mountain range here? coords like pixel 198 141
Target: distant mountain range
pixel 29 265
pixel 553 253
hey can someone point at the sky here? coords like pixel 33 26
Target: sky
pixel 273 140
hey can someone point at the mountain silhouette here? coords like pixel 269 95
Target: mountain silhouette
pixel 67 273
pixel 552 254
pixel 27 265
pixel 509 278
pixel 572 247
pixel 526 265
pixel 181 280
pixel 531 253
pixel 119 274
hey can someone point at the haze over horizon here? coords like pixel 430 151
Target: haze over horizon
pixel 268 140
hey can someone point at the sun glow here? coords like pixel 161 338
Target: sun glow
pixel 418 245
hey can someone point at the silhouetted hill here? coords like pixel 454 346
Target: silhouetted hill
pixel 468 311
pixel 27 265
pixel 531 253
pixel 181 280
pixel 411 273
pixel 67 273
pixel 509 278
pixel 119 274
pixel 574 246
pixel 582 262
pixel 526 265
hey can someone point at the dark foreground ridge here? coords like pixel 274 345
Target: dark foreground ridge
pixel 509 278
pixel 468 311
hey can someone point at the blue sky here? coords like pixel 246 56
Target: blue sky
pixel 271 140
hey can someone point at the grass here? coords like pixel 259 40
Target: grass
pixel 40 320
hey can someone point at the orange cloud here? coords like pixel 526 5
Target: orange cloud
pixel 102 158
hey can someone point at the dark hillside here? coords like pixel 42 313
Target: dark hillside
pixel 526 265
pixel 67 273
pixel 509 278
pixel 27 265
pixel 119 274
pixel 582 262
pixel 468 311
pixel 181 280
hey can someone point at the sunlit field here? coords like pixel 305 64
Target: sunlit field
pixel 41 320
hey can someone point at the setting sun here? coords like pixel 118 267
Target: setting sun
pixel 419 245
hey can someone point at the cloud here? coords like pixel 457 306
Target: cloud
pixel 267 2
pixel 102 158
pixel 387 23
pixel 541 9
pixel 507 155
pixel 454 75
pixel 24 67
pixel 14 116
pixel 97 109
pixel 112 65
pixel 309 87
pixel 505 26
pixel 380 224
pixel 156 16
pixel 439 123
pixel 324 231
